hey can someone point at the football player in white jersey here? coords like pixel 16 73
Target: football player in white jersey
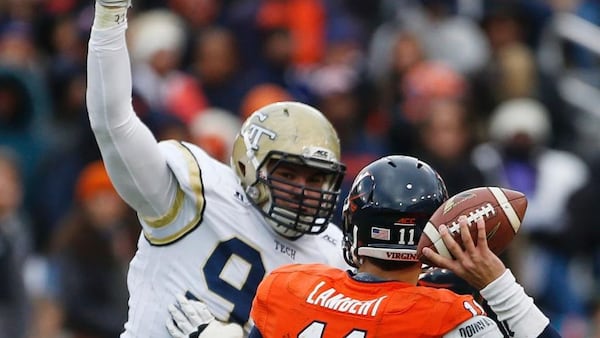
pixel 209 229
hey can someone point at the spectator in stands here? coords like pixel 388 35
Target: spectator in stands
pixel 214 130
pixel 217 66
pixel 262 95
pixel 341 96
pixel 157 44
pixel 91 251
pixel 15 248
pixel 583 236
pixel 513 72
pixel 23 113
pixel 517 157
pixel 447 137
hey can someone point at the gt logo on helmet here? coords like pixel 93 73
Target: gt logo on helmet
pixel 255 132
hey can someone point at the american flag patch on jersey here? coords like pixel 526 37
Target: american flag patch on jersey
pixel 380 233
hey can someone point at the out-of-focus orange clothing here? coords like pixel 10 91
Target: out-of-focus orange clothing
pixel 304 19
pixel 326 302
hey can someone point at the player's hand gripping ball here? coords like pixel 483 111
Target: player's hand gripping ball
pixel 502 209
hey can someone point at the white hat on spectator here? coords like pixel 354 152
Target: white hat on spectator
pixel 522 115
pixel 154 31
pixel 214 130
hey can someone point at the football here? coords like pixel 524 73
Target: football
pixel 502 209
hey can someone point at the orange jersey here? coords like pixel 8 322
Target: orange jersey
pixel 320 301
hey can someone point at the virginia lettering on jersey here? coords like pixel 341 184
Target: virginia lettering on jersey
pixel 334 300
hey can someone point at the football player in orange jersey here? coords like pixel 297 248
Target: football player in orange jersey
pixel 390 201
pixel 388 206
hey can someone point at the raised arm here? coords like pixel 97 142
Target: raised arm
pixel 130 152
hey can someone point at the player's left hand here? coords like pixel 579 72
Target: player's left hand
pixel 191 319
pixel 476 264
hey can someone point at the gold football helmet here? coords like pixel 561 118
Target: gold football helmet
pixel 284 134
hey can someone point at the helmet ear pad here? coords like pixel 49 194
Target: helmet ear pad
pixel 258 193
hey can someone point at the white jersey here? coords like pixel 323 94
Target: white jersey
pixel 200 233
pixel 216 245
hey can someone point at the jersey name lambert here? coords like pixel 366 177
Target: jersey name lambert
pixel 334 300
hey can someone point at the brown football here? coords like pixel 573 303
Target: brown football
pixel 503 211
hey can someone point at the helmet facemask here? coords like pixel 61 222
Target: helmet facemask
pixel 294 209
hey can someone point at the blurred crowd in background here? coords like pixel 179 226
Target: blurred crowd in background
pixel 502 93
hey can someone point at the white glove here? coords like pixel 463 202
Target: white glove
pixel 191 319
pixel 115 3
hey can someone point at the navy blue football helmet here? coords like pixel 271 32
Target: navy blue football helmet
pixel 387 208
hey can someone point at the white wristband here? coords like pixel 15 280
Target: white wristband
pixel 514 308
pixel 106 17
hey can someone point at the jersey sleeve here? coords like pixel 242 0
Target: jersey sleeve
pixel 130 152
pixel 185 213
pixel 451 311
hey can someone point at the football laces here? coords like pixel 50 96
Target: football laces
pixel 486 211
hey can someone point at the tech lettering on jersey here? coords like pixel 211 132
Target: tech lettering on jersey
pixel 334 300
pixel 285 249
